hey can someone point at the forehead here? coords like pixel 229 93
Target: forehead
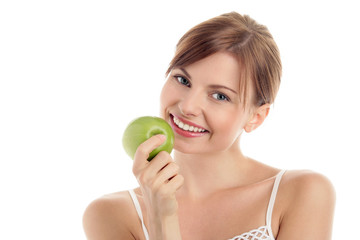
pixel 219 68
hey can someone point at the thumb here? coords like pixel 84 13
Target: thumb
pixel 143 151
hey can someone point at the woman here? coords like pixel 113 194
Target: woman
pixel 222 80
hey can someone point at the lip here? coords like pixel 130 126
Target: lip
pixel 183 132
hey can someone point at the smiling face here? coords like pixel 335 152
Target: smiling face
pixel 202 103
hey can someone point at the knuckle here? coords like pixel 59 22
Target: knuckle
pixel 175 167
pixel 137 170
pixel 142 178
pixel 162 154
pixel 181 178
pixel 141 150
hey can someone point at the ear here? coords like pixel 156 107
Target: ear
pixel 257 117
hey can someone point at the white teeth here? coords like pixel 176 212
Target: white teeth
pixel 187 127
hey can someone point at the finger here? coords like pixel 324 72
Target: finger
pixel 149 174
pixel 167 173
pixel 175 183
pixel 159 162
pixel 143 151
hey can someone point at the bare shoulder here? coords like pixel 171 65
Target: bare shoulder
pixel 109 217
pixel 309 200
pixel 305 182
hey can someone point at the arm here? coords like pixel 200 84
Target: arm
pixel 159 180
pixel 309 214
pixel 108 219
pixel 112 217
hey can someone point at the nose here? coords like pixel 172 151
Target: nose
pixel 191 104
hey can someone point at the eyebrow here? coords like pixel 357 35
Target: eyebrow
pixel 211 86
pixel 185 72
pixel 221 86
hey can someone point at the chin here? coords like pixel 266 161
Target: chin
pixel 186 149
pixel 193 149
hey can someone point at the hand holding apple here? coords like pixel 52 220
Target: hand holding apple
pixel 141 129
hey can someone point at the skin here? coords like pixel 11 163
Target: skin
pixel 209 182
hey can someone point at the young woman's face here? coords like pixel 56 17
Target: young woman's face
pixel 202 104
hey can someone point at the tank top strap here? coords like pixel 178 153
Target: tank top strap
pixel 272 201
pixel 138 210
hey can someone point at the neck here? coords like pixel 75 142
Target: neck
pixel 207 173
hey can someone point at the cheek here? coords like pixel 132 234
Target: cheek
pixel 167 98
pixel 230 124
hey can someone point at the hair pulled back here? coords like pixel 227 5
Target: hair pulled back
pixel 251 43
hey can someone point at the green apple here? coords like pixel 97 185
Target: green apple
pixel 141 129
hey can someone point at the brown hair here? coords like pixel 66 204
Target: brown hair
pixel 242 36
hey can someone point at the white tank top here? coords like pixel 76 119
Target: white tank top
pixel 261 233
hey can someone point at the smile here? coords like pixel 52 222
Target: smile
pixel 187 127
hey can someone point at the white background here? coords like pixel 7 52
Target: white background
pixel 74 73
